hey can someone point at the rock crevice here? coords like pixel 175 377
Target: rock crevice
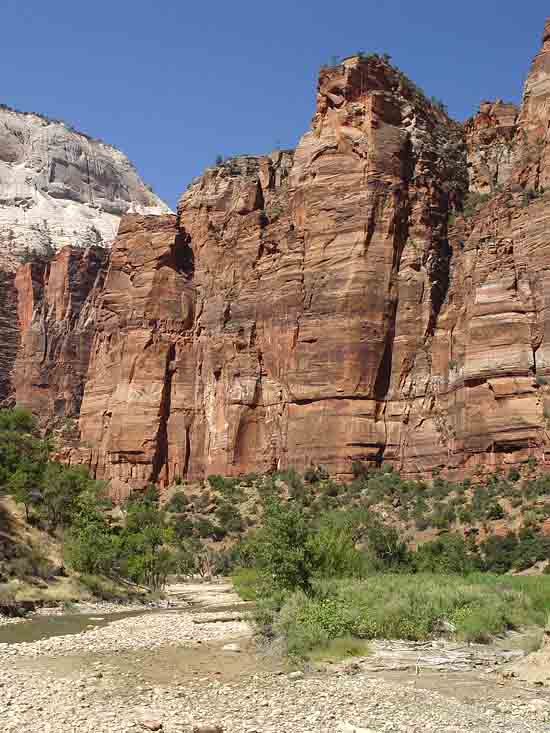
pixel 315 306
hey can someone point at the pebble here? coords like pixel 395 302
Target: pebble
pixel 36 696
pixel 231 648
pixel 149 631
pixel 151 725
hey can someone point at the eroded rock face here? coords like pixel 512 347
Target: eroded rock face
pixel 274 322
pixel 480 399
pixel 9 331
pixel 490 138
pixel 313 306
pixel 59 187
pixel 533 137
pixel 142 316
pixel 55 304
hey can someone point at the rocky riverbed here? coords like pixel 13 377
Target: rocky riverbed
pixel 181 672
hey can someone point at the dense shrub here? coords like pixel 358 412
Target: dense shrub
pixel 314 474
pixel 207 529
pixel 182 527
pixel 410 607
pixel 178 503
pixel 284 552
pixel 448 554
pixel 229 517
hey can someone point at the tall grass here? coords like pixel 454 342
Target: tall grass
pixel 410 607
pixel 247 583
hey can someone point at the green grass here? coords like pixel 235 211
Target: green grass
pixel 247 582
pixel 410 607
pixel 107 589
pixel 338 649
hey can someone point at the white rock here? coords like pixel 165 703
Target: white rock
pixel 62 187
pixel 231 648
pixel 295 675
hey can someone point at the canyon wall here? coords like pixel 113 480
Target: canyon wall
pixel 60 187
pixel 317 306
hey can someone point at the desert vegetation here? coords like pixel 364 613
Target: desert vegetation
pixel 70 506
pixel 328 563
pixel 325 569
pixel 345 578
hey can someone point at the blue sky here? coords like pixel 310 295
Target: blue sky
pixel 175 83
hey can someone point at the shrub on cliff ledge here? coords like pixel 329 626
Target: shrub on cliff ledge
pixel 473 202
pixel 178 503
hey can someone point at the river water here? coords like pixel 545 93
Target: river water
pixel 44 627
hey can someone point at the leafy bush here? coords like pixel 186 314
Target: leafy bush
pixel 410 607
pixel 515 551
pixel 247 583
pixel 448 554
pixel 495 511
pixel 178 503
pixel 182 527
pixel 205 528
pixel 315 474
pixel 228 487
pixel 334 553
pixel 284 553
pixel 229 517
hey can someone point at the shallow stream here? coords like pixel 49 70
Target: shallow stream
pixel 39 627
pixel 44 627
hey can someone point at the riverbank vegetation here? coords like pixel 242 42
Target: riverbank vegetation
pixel 109 548
pixel 328 563
pixel 347 577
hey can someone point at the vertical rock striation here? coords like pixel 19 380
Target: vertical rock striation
pixel 490 138
pixel 9 331
pixel 55 303
pixel 314 306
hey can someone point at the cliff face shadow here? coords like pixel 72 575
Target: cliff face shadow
pixel 184 257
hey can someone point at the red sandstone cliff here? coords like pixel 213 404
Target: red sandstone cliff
pixel 490 137
pixel 311 307
pixel 55 306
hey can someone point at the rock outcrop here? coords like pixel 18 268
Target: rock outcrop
pixel 55 304
pixel 272 323
pixel 314 306
pixel 533 135
pixel 490 138
pixel 59 187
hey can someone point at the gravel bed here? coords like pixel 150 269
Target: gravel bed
pixel 82 684
pixel 6 620
pixel 98 607
pixel 40 704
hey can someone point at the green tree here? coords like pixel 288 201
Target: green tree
pixel 285 551
pixel 91 546
pixel 448 554
pixel 20 448
pixel 60 488
pixel 145 556
pixel 385 548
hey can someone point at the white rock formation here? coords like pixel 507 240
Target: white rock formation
pixel 58 187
